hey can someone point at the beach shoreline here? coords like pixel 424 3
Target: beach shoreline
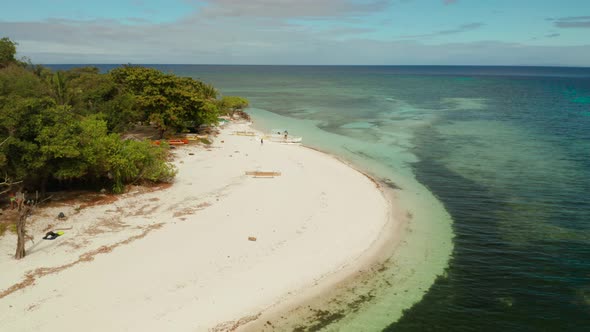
pixel 293 310
pixel 304 307
pixel 321 244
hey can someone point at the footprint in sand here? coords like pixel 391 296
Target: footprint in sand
pixel 323 200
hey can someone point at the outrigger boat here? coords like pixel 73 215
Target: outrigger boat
pixel 282 136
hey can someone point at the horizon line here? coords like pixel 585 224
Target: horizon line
pixel 312 65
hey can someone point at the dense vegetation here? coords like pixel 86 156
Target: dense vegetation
pixel 66 126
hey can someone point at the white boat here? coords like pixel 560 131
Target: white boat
pixel 282 136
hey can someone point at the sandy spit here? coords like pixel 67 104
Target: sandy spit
pixel 215 251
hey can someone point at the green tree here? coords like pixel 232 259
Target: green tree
pixel 169 102
pixel 92 93
pixel 50 134
pixel 58 87
pixel 232 104
pixel 22 100
pixel 132 161
pixel 59 126
pixel 7 52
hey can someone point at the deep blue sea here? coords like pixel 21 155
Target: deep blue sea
pixel 493 164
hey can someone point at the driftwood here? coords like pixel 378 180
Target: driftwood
pixel 24 211
pixel 21 232
pixel 260 174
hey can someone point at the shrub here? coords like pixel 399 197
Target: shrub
pixel 139 161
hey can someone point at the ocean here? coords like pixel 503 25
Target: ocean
pixel 492 164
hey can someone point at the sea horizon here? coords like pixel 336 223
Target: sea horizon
pixel 305 65
pixel 310 65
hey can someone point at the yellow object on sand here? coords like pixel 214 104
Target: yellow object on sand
pixel 263 174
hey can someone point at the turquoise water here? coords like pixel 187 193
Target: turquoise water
pixel 507 154
pixel 493 164
pixel 506 151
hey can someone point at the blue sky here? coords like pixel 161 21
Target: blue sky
pixel 373 32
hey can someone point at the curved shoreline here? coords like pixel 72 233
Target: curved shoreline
pixel 289 310
pixel 292 309
pixel 219 274
pixel 372 299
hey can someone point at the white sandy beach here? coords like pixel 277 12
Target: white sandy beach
pixel 179 259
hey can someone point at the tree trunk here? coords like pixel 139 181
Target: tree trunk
pixel 21 233
pixel 43 185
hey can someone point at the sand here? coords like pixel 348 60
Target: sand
pixel 213 251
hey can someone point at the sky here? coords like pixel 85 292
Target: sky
pixel 301 32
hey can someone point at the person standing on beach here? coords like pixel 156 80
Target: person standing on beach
pixel 261 140
pixel 12 201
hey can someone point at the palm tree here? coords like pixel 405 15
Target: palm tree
pixel 57 83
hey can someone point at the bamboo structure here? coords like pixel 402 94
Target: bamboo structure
pixel 244 133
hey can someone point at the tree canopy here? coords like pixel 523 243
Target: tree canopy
pixel 7 52
pixel 66 125
pixel 233 103
pixel 167 101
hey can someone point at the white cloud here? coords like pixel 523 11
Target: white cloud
pixel 459 29
pixel 573 22
pixel 289 8
pixel 252 40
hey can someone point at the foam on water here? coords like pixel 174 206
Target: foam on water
pixel 464 103
pixel 358 125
